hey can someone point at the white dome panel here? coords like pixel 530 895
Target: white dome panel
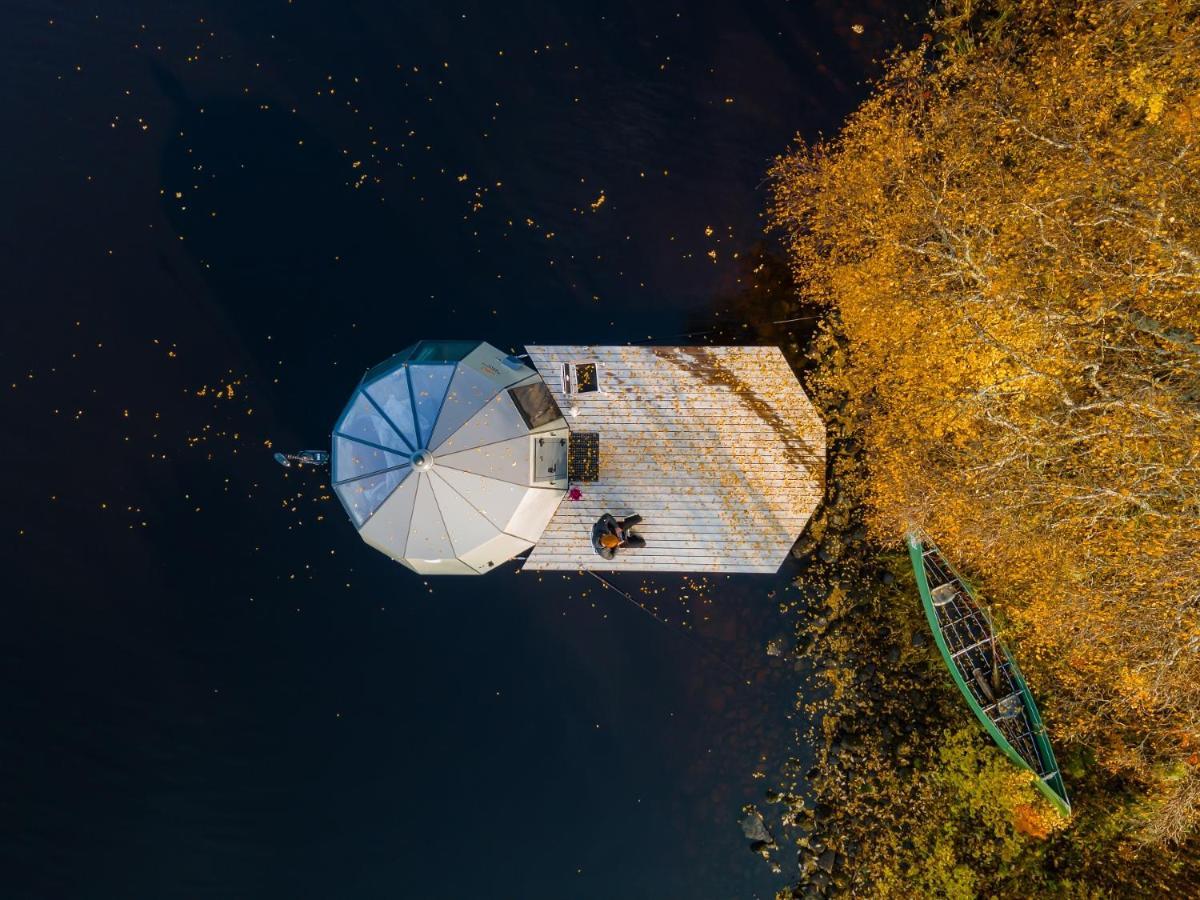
pixel 535 512
pixel 510 460
pixel 498 500
pixel 498 420
pixel 387 529
pixel 466 526
pixel 427 537
pixel 499 549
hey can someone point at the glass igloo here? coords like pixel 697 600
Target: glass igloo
pixel 451 457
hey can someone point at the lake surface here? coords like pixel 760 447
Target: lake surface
pixel 218 214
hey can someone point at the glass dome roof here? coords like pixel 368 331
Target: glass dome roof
pixel 433 457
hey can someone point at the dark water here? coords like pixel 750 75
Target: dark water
pixel 217 215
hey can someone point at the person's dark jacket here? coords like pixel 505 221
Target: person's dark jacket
pixel 606 524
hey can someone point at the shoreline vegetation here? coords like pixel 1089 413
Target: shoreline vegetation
pixel 1003 247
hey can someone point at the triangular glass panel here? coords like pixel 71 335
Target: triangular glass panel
pixel 392 395
pixel 441 351
pixel 387 530
pixel 470 390
pixel 352 459
pixel 363 496
pixel 498 420
pixel 396 359
pixel 429 385
pixel 364 421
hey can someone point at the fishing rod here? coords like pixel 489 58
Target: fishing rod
pixel 612 587
pixel 687 635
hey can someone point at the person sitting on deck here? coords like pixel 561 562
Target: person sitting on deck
pixel 609 535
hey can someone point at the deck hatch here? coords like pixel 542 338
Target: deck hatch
pixel 549 458
pixel 580 378
pixel 535 403
pixel 587 378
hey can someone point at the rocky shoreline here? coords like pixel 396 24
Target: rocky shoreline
pixel 869 681
pixel 902 793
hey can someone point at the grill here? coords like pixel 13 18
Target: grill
pixel 583 456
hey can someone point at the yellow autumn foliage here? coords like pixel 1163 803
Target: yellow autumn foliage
pixel 1007 236
pixel 974 822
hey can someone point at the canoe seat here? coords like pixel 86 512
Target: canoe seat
pixel 943 594
pixel 1009 707
pixel 1005 702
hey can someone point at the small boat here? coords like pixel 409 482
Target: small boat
pixel 983 668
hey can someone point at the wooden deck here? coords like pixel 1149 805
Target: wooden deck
pixel 717 448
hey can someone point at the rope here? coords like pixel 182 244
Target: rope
pixel 687 635
pixel 608 584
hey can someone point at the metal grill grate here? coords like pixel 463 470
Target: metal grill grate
pixel 583 456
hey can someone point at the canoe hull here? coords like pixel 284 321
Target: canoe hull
pixel 1025 731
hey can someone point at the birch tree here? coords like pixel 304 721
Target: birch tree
pixel 1007 237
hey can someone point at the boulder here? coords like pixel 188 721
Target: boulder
pixel 754 828
pixel 826 861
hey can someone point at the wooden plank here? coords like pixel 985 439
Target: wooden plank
pixel 718 448
pixel 581 565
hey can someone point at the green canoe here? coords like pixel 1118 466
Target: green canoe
pixel 983 668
